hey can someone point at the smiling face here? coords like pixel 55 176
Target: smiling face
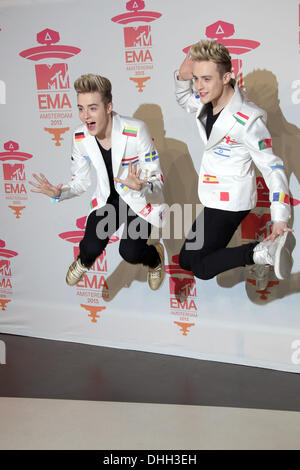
pixel 94 114
pixel 208 82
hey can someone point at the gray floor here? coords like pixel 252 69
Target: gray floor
pixel 37 368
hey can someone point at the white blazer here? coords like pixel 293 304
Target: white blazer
pixel 238 140
pixel 130 142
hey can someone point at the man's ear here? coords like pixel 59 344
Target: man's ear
pixel 109 107
pixel 227 77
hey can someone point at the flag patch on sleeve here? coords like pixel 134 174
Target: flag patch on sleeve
pixel 146 210
pixel 130 131
pixel 277 167
pixel 222 151
pixel 94 203
pixel 123 187
pixel 241 118
pixel 151 157
pixel 210 179
pixel 265 144
pixel 79 136
pixel 127 161
pixel 224 196
pixel 281 197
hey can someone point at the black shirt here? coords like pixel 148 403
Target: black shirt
pixel 211 119
pixel 106 154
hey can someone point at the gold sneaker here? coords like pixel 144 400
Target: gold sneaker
pixel 156 275
pixel 75 272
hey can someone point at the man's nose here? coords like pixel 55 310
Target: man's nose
pixel 86 114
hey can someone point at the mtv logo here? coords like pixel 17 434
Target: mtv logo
pixel 255 227
pixel 181 286
pixel 138 37
pixel 13 172
pixel 262 193
pixel 5 269
pixel 2 92
pixel 52 77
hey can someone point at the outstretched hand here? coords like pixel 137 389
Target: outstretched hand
pixel 43 186
pixel 278 229
pixel 133 178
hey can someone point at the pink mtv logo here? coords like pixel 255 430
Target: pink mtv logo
pixel 138 37
pixel 5 269
pixel 52 77
pixel 13 171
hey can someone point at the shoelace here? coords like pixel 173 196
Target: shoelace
pixel 156 273
pixel 78 270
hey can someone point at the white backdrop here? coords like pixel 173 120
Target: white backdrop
pixel 45 46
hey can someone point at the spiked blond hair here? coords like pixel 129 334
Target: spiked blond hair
pixel 91 82
pixel 215 52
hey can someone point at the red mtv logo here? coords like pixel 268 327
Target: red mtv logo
pixel 254 227
pixel 52 77
pixel 14 171
pixel 178 286
pixel 138 37
pixel 5 269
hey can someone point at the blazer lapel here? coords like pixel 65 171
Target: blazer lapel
pixel 201 123
pixel 118 143
pixel 226 120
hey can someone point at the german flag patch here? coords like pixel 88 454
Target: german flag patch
pixel 79 136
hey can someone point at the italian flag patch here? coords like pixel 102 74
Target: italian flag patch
pixel 265 144
pixel 241 118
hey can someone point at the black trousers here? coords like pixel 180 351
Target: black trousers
pixel 103 222
pixel 207 254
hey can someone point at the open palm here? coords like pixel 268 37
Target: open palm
pixel 43 186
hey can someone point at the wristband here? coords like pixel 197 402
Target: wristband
pixel 55 199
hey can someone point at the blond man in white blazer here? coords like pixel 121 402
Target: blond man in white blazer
pixel 129 182
pixel 235 139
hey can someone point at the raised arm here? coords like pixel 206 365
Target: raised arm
pixel 186 96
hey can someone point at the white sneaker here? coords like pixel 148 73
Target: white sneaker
pixel 277 254
pixel 75 272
